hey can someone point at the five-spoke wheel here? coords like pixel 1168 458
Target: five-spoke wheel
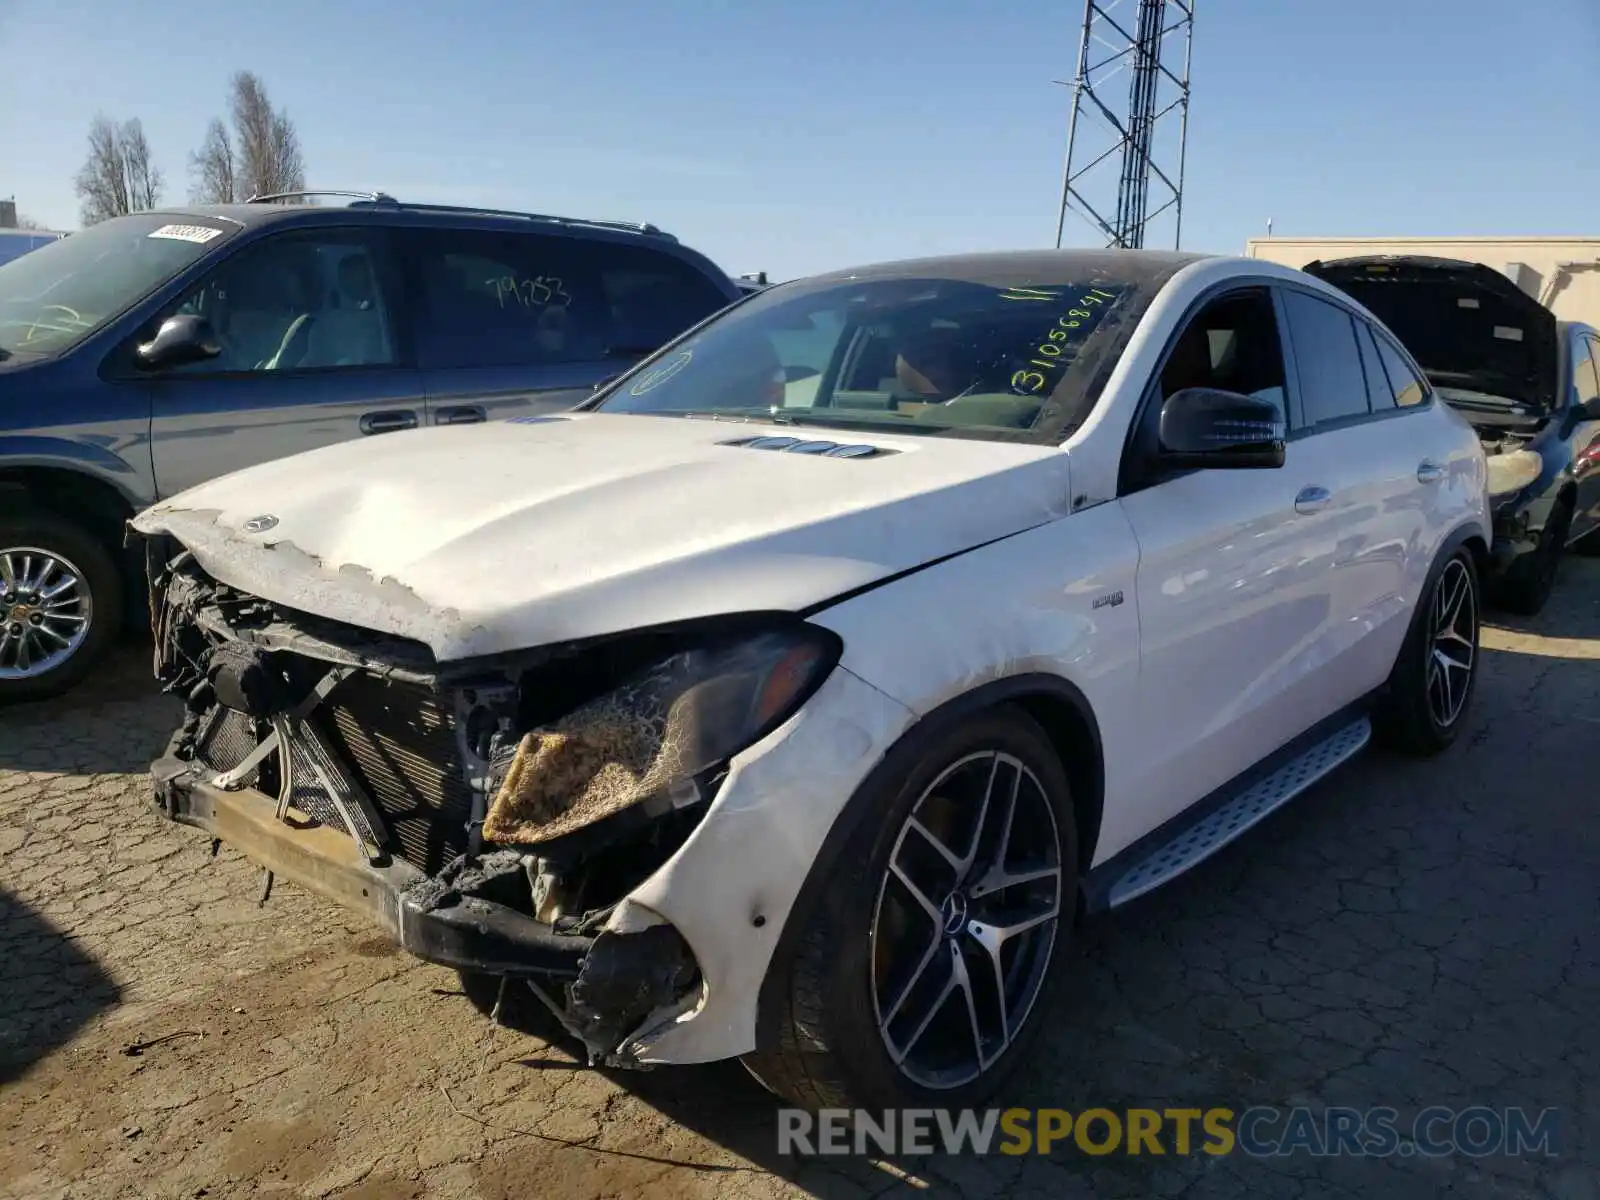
pixel 965 920
pixel 1425 702
pixel 917 971
pixel 1453 652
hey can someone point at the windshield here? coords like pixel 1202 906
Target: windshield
pixel 1001 359
pixel 54 297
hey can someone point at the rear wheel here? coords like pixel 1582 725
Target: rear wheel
pixel 926 965
pixel 60 605
pixel 1431 687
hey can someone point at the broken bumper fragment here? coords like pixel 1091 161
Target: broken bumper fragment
pixel 469 934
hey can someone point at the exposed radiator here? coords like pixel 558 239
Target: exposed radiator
pixel 399 740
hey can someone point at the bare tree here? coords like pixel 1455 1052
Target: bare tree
pixel 212 166
pixel 26 222
pixel 118 177
pixel 259 156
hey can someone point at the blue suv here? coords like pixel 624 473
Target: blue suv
pixel 153 352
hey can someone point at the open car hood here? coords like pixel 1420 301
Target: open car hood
pixel 1467 325
pixel 483 539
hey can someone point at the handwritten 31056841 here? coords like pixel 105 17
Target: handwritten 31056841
pixel 1051 352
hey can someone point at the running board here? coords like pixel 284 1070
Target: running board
pixel 1199 841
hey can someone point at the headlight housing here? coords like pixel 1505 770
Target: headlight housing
pixel 654 737
pixel 1510 473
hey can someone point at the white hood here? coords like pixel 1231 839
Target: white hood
pixel 482 539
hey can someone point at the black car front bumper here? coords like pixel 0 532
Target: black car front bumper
pixel 470 934
pixel 1515 540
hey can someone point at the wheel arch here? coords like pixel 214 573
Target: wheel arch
pixel 1067 720
pixel 83 496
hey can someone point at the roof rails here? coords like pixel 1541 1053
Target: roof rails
pixel 370 197
pixel 383 201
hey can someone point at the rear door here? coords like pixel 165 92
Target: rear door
pixel 312 354
pixel 517 322
pixel 1368 470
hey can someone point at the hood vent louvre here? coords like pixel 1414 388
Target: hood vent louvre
pixel 823 449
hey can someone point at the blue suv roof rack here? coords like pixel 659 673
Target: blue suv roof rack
pixel 274 197
pixel 384 200
pixel 380 200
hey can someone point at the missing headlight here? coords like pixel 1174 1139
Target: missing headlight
pixel 652 738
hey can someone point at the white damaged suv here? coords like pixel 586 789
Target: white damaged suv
pixel 792 699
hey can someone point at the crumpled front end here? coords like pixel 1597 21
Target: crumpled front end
pixel 494 816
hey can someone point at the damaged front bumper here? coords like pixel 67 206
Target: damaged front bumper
pixel 469 934
pixel 533 818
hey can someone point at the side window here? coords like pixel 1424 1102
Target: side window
pixel 1380 396
pixel 1232 343
pixel 1408 389
pixel 1584 370
pixel 1327 359
pixel 297 301
pixel 488 298
pixel 651 297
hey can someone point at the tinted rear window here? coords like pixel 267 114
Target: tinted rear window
pixel 491 298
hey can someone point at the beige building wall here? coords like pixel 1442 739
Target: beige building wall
pixel 1562 272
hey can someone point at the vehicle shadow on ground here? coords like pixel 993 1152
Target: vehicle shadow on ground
pixel 49 988
pixel 115 722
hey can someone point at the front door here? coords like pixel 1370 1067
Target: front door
pixel 1231 595
pixel 311 355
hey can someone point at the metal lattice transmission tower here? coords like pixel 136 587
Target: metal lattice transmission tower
pixel 1130 120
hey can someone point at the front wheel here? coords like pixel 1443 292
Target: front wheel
pixel 60 605
pixel 1430 689
pixel 925 967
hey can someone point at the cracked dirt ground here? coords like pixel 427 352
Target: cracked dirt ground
pixel 1406 934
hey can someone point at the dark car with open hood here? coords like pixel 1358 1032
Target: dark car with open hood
pixel 1528 383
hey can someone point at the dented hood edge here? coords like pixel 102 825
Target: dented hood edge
pixel 736 579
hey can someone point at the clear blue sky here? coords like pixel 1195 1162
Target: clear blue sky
pixel 796 137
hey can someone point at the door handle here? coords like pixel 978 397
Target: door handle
pixel 388 422
pixel 461 414
pixel 1429 471
pixel 1312 500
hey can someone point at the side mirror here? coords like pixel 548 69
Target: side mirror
pixel 1590 409
pixel 1210 428
pixel 181 340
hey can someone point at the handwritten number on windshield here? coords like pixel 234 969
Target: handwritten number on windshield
pixel 1049 355
pixel 542 291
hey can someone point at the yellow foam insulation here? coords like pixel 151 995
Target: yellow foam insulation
pixel 600 760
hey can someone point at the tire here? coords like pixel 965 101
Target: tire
pixel 97 601
pixel 1411 717
pixel 845 954
pixel 1526 590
